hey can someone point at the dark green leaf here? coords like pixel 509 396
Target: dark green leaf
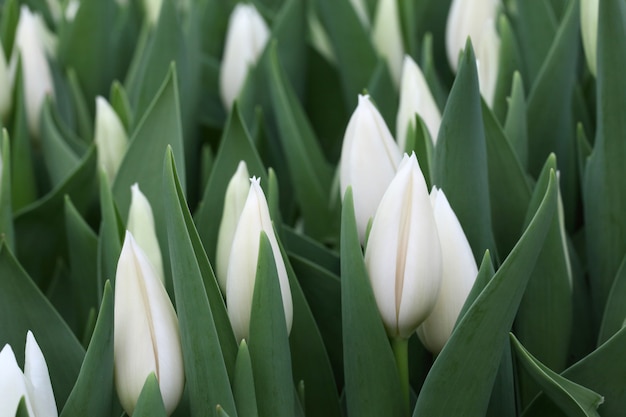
pixel 243 383
pixel 615 310
pixel 516 126
pixel 509 62
pixel 110 236
pixel 6 211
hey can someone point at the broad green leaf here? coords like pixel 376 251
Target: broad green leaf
pixel 59 157
pixel 289 31
pixel 39 227
pixel 451 386
pixel 605 173
pixel 575 400
pixel 243 383
pixel 203 345
pixel 509 189
pixel 544 319
pixel 584 149
pixel 615 310
pixel 310 249
pixel 427 63
pixel 460 158
pixel 213 114
pixel 82 248
pixel 150 402
pixel 372 383
pixel 309 170
pixel 509 62
pixel 119 102
pixel 516 126
pixel 8 24
pixel 83 115
pixel 550 113
pixel 382 90
pixel 23 307
pixel 431 19
pixel 485 273
pixel 6 211
pixel 92 394
pixel 110 235
pixel 235 145
pixel 22 410
pixel 215 21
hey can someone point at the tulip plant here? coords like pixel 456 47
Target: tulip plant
pixel 344 208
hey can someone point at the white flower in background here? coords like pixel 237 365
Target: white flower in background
pixel 146 335
pixel 141 226
pixel 403 256
pixel 459 274
pixel 33 384
pixel 415 98
pixel 234 200
pixel 246 37
pixel 110 138
pixel 33 42
pixel 5 87
pixel 319 38
pixel 387 37
pixel 152 9
pixel 369 158
pixel 589 31
pixel 242 266
pixel 487 62
pixel 71 8
pixel 360 8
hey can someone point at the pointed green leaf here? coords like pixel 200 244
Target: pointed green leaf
pixel 509 62
pixel 22 410
pixel 202 330
pixel 584 149
pixel 289 30
pixel 615 310
pixel 8 24
pixel 382 90
pixel 310 249
pixel 6 210
pixel 451 386
pixel 418 140
pixel 92 394
pixel 150 402
pixel 110 235
pixel 243 383
pixel 121 104
pixel 516 126
pixel 372 385
pixel 83 115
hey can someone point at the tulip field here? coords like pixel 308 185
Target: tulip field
pixel 312 208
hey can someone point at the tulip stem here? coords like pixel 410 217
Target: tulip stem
pixel 400 348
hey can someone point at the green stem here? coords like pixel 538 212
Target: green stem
pixel 400 348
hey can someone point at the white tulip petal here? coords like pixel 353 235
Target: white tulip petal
pixel 246 37
pixel 589 29
pixel 387 37
pixel 38 380
pixel 153 10
pixel 369 158
pixel 487 56
pixel 12 384
pixel 110 138
pixel 459 274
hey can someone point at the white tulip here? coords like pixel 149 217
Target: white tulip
pixel 415 97
pixel 152 9
pixel 589 31
pixel 33 42
pixel 236 195
pixel 110 138
pixel 5 87
pixel 403 256
pixel 369 159
pixel 141 226
pixel 467 18
pixel 246 37
pixel 459 274
pixel 33 384
pixel 242 266
pixel 487 62
pixel 387 37
pixel 146 335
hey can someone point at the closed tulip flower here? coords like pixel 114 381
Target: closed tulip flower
pixel 110 137
pixel 403 256
pixel 387 36
pixel 146 335
pixel 242 266
pixel 246 37
pixel 236 195
pixel 487 62
pixel 415 98
pixel 459 274
pixel 33 384
pixel 589 31
pixel 369 159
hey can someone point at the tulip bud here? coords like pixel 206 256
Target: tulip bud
pixel 415 97
pixel 110 138
pixel 459 274
pixel 403 256
pixel 245 41
pixel 487 62
pixel 589 31
pixel 33 42
pixel 369 158
pixel 242 265
pixel 33 384
pixel 141 226
pixel 387 37
pixel 5 87
pixel 467 18
pixel 146 336
pixel 152 9
pixel 236 194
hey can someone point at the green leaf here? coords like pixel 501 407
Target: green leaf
pixel 206 337
pixel 8 24
pixel 311 174
pixel 605 174
pixel 110 235
pixel 509 189
pixel 92 394
pixel 269 341
pixel 150 401
pixel 382 90
pixel 372 385
pixel 418 140
pixel 235 145
pixel 22 410
pixel 509 63
pixel 243 383
pixel 23 307
pixel 544 319
pixel 6 211
pixel 550 113
pixel 310 249
pixel 575 400
pixel 460 162
pixel 289 30
pixel 121 104
pixel 615 310
pixel 83 115
pixel 584 149
pixel 451 386
pixel 516 126
pixel 39 227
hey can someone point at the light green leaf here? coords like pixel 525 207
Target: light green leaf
pixel 150 402
pixel 243 383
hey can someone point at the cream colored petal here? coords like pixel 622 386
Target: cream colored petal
pixel 38 380
pixel 387 37
pixel 12 384
pixel 110 138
